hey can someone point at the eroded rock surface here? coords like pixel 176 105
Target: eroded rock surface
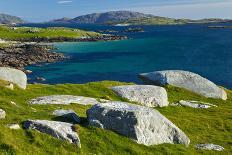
pixel 14 76
pixel 2 114
pixel 185 79
pixel 142 124
pixel 65 100
pixel 59 130
pixel 147 95
pixel 209 147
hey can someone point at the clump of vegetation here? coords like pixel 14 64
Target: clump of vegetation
pixel 25 33
pixel 213 125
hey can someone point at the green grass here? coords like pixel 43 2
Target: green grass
pixel 25 33
pixel 212 125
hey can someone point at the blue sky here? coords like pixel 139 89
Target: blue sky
pixel 43 10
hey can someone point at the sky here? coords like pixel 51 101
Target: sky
pixel 45 10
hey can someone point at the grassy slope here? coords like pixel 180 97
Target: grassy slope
pixel 9 33
pixel 212 125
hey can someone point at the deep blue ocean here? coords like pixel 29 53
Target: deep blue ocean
pixel 195 48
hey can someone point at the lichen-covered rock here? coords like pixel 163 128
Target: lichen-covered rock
pixel 185 79
pixel 59 130
pixel 14 76
pixel 147 95
pixel 65 100
pixel 68 114
pixel 209 147
pixel 2 114
pixel 142 124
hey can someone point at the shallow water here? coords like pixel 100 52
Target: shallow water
pixel 194 48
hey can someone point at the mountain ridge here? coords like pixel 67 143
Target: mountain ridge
pixel 9 19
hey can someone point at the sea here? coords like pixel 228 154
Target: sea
pixel 191 47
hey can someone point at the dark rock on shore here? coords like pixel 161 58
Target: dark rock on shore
pixel 20 55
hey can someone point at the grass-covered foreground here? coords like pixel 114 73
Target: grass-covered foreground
pixel 26 33
pixel 212 125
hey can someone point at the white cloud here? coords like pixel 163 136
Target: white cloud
pixel 64 2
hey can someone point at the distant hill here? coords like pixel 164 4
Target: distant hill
pixel 8 19
pixel 131 18
pixel 103 18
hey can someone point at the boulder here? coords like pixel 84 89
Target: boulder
pixel 209 147
pixel 142 124
pixel 59 130
pixel 186 80
pixel 196 104
pixel 2 114
pixel 13 76
pixel 147 95
pixel 65 100
pixel 68 114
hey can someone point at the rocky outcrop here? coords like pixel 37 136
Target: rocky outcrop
pixel 209 147
pixel 2 114
pixel 196 104
pixel 23 54
pixel 68 115
pixel 14 76
pixel 147 95
pixel 186 80
pixel 142 124
pixel 59 130
pixel 65 100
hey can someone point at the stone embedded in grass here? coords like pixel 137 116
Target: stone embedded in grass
pixel 10 86
pixel 196 104
pixel 59 130
pixel 2 114
pixel 13 126
pixel 68 114
pixel 14 76
pixel 65 100
pixel 147 95
pixel 185 79
pixel 142 124
pixel 209 147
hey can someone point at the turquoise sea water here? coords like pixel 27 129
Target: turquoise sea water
pixel 195 48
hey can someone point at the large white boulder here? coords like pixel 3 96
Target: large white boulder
pixel 59 130
pixel 65 100
pixel 185 79
pixel 13 76
pixel 142 124
pixel 147 95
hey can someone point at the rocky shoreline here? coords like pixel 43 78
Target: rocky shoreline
pixel 20 55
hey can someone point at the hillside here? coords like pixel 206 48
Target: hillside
pixel 8 19
pixel 102 18
pixel 132 18
pixel 43 34
pixel 201 125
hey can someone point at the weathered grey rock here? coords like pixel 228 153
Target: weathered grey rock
pixel 185 79
pixel 59 130
pixel 13 126
pixel 209 147
pixel 196 104
pixel 142 124
pixel 147 95
pixel 14 76
pixel 65 100
pixel 69 114
pixel 2 114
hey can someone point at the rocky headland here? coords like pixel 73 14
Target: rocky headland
pixel 19 55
